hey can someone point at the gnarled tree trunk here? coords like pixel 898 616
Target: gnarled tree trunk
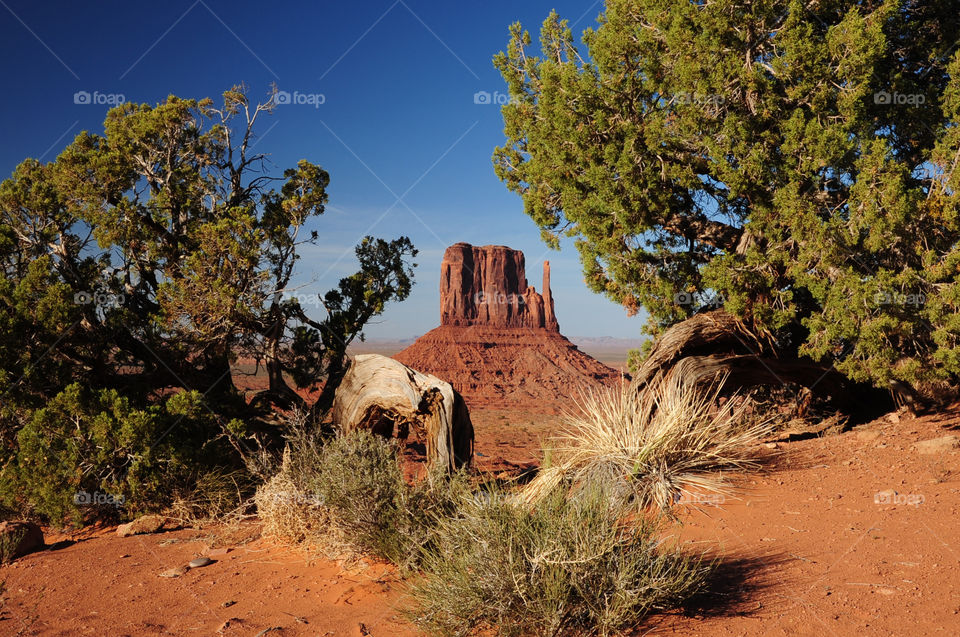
pixel 715 344
pixel 387 397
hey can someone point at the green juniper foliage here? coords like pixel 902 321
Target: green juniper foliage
pixel 795 163
pixel 134 270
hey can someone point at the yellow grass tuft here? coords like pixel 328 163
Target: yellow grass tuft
pixel 653 447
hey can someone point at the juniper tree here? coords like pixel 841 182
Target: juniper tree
pixel 795 163
pixel 145 261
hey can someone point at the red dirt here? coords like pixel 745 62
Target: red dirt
pixel 807 551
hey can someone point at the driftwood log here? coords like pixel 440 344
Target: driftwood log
pixel 714 345
pixel 388 398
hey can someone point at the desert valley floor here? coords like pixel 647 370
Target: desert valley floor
pixel 807 550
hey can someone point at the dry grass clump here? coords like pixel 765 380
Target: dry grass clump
pixel 216 497
pixel 285 510
pixel 653 447
pixel 567 566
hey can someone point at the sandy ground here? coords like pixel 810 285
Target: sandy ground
pixel 809 548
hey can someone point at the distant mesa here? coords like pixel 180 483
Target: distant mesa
pixel 499 342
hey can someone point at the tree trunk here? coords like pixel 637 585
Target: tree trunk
pixel 714 345
pixel 382 395
pixel 278 392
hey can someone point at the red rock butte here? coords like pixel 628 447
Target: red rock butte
pixel 499 342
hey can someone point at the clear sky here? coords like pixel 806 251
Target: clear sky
pixel 387 93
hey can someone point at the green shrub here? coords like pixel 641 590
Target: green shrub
pixel 8 546
pixel 565 566
pixel 358 477
pixel 119 458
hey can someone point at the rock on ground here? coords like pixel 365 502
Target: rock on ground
pixel 143 524
pixel 20 538
pixel 937 445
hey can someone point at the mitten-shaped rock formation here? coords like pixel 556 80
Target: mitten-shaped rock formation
pixel 499 343
pixel 488 286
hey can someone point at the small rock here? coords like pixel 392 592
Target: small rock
pixel 229 603
pixel 937 445
pixel 174 572
pixel 20 538
pixel 771 445
pixel 143 524
pixel 200 562
pixel 893 417
pixel 868 435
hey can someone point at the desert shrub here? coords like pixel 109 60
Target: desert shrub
pixel 359 478
pixel 8 546
pixel 350 490
pixel 569 565
pixel 218 495
pixel 654 446
pixel 98 444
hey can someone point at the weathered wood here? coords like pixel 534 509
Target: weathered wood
pixel 386 397
pixel 715 345
pixel 704 334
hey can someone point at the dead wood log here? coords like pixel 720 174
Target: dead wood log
pixel 386 397
pixel 715 345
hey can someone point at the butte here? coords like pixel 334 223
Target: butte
pixel 499 342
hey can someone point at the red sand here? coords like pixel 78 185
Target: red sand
pixel 808 549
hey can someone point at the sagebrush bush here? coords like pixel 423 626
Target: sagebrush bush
pixel 568 565
pixel 358 477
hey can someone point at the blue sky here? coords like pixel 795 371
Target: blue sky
pixel 407 148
